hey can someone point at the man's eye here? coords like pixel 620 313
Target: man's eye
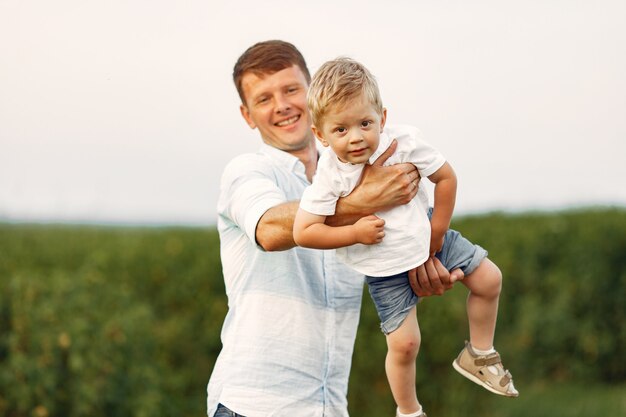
pixel 262 100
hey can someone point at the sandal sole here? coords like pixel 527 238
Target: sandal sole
pixel 479 382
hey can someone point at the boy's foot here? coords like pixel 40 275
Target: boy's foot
pixel 485 370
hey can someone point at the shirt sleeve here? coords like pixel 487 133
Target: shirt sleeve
pixel 413 148
pixel 320 198
pixel 248 190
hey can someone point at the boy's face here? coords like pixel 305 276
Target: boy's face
pixel 276 105
pixel 352 131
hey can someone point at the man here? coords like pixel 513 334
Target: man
pixel 293 312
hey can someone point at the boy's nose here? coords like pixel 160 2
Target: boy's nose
pixel 356 137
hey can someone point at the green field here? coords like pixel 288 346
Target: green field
pixel 119 321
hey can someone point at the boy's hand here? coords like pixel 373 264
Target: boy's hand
pixel 369 230
pixel 436 242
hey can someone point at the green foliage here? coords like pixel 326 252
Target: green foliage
pixel 102 321
pixel 561 316
pixel 571 399
pixel 107 321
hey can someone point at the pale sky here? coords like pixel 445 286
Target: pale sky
pixel 125 111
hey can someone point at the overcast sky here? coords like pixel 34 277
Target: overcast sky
pixel 125 111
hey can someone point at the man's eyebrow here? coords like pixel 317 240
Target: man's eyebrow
pixel 259 95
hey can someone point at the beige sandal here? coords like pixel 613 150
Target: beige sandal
pixel 485 370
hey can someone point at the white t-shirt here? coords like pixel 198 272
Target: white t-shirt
pixel 407 228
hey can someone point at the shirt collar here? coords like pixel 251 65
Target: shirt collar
pixel 285 159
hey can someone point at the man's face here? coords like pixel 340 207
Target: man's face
pixel 276 105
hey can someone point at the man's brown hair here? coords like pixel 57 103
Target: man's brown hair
pixel 266 58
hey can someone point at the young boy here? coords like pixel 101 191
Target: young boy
pixel 347 115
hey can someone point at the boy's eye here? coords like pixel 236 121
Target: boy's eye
pixel 340 129
pixel 366 123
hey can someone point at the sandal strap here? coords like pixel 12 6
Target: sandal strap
pixel 489 360
pixel 506 379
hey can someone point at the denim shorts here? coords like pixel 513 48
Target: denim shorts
pixel 223 411
pixel 393 295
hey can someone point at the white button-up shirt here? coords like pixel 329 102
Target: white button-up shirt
pixel 289 333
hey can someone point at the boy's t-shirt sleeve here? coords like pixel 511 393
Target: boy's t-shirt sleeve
pixel 415 149
pixel 320 198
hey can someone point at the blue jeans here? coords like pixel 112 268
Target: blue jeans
pixel 393 296
pixel 223 411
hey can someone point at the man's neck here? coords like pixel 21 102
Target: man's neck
pixel 308 157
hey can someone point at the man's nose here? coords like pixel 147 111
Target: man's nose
pixel 282 104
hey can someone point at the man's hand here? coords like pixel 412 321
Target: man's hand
pixel 387 187
pixel 432 278
pixel 369 230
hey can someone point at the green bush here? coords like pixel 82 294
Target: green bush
pixel 102 321
pixel 560 319
pixel 107 321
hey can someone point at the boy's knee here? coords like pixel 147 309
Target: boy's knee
pixel 406 349
pixel 494 279
pixel 487 279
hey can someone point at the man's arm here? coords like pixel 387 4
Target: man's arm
pixel 380 188
pixel 274 232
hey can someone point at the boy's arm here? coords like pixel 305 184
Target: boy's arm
pixel 445 197
pixel 381 188
pixel 310 231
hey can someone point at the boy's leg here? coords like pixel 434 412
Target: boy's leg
pixel 484 284
pixel 395 303
pixel 482 278
pixel 402 347
pixel 479 361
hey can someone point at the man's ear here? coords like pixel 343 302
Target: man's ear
pixel 246 115
pixel 383 119
pixel 318 135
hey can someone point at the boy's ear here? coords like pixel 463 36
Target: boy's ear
pixel 383 119
pixel 246 115
pixel 318 135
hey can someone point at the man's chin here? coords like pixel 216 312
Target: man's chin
pixel 296 146
pixel 298 143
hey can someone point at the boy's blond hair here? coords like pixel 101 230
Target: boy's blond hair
pixel 337 82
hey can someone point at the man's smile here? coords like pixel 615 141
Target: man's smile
pixel 288 122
